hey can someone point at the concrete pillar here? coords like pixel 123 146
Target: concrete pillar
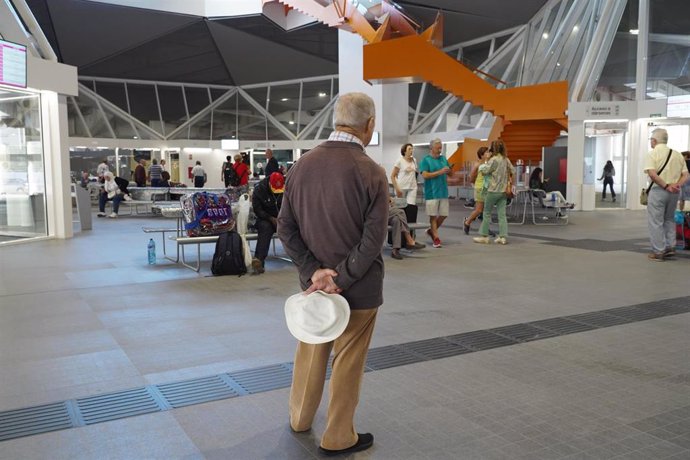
pixel 391 101
pixel 576 147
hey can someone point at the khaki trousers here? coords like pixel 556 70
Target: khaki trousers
pixel 309 375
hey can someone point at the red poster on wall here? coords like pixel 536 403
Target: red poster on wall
pixel 563 170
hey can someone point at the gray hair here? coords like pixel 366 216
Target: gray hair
pixel 435 141
pixel 661 135
pixel 353 110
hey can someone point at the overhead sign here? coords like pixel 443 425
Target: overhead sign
pixel 678 106
pixel 12 64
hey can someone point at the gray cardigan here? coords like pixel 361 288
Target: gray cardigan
pixel 335 215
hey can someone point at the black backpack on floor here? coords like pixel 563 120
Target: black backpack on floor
pixel 229 256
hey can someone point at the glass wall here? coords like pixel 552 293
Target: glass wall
pixel 22 177
pixel 668 62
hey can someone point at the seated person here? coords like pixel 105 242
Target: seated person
pixel 123 183
pixel 538 185
pixel 398 221
pixel 266 201
pixel 111 191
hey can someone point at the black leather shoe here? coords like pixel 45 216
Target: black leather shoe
pixel 396 254
pixel 364 441
pixel 465 227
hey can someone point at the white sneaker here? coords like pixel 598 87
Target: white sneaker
pixel 481 239
pixel 101 214
pixel 128 198
pixel 500 240
pixel 113 215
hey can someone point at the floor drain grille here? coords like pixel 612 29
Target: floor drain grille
pixel 34 420
pixel 196 391
pixel 154 398
pixel 264 378
pixel 113 406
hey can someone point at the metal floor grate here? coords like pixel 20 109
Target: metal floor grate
pixel 112 406
pixel 196 391
pixel 34 420
pixel 154 398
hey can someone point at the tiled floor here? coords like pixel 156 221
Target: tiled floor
pixel 88 316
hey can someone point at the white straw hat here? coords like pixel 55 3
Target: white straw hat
pixel 317 317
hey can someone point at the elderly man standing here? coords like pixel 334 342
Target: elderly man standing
pixel 271 163
pixel 668 172
pixel 335 240
pixel 435 169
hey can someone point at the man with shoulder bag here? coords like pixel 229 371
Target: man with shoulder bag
pixel 667 172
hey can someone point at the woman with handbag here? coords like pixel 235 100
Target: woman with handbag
pixel 498 177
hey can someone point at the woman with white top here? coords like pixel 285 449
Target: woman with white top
pixel 404 176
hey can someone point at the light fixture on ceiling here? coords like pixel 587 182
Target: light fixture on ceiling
pixel 634 31
pixel 135 137
pixel 285 99
pixel 322 95
pixel 291 122
pixel 558 64
pixel 575 28
pixel 545 35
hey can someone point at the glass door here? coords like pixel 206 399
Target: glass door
pixel 606 162
pixel 22 173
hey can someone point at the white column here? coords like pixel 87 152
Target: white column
pixel 56 156
pixel 391 100
pixel 642 45
pixel 576 147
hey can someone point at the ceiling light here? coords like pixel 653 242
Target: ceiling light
pixel 558 64
pixel 291 122
pixel 545 35
pixel 575 28
pixel 135 137
pixel 322 94
pixel 634 31
pixel 285 99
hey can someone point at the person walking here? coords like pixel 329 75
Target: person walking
pixel 607 175
pixel 483 155
pixel 140 173
pixel 499 171
pixel 335 239
pixel 435 169
pixel 667 173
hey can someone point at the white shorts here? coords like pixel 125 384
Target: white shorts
pixel 437 207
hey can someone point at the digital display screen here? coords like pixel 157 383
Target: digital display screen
pixel 12 64
pixel 678 106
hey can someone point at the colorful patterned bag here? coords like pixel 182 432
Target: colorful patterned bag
pixel 207 214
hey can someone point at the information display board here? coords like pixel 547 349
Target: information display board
pixel 12 64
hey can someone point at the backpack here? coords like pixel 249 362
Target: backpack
pixel 228 258
pixel 231 176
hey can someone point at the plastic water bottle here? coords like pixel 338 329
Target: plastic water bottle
pixel 553 197
pixel 152 251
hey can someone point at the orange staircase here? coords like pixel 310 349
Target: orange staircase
pixel 531 117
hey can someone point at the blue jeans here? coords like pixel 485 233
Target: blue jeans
pixel 499 200
pixel 661 206
pixel 103 197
